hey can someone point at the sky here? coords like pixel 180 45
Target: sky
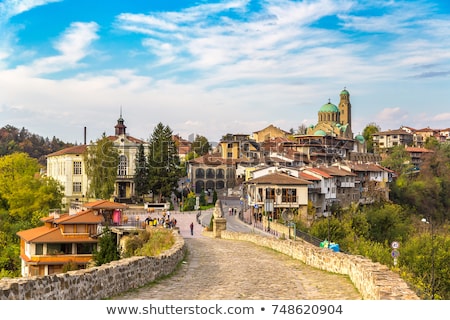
pixel 210 68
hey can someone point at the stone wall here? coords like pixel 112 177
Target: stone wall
pixel 96 283
pixel 373 280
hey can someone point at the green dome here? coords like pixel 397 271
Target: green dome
pixel 329 107
pixel 360 138
pixel 344 92
pixel 320 133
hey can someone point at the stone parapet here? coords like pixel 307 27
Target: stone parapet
pixel 96 283
pixel 373 280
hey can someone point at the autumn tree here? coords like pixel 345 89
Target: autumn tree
pixel 101 162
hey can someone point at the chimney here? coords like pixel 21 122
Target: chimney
pixel 84 135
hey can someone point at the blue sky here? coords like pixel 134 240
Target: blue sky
pixel 218 67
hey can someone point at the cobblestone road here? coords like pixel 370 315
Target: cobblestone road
pixel 218 269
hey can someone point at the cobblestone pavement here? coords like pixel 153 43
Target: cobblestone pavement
pixel 218 269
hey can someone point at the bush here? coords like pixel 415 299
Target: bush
pixel 149 243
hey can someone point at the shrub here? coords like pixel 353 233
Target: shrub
pixel 148 243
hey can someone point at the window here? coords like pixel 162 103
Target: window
pixel 76 187
pixel 210 173
pixel 289 195
pixel 200 173
pixel 39 249
pixel 123 165
pixel 85 248
pixel 77 167
pixel 59 248
pixel 220 174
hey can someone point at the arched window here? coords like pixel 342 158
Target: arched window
pixel 220 174
pixel 210 185
pixel 200 173
pixel 209 173
pixel 220 185
pixel 199 186
pixel 123 166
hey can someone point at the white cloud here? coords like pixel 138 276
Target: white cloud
pixel 73 45
pixel 10 8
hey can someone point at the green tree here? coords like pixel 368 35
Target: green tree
pixel 101 162
pixel 24 192
pixel 388 222
pixel 141 176
pixel 432 143
pixel 189 202
pixel 215 197
pixel 427 192
pixel 202 198
pixel 200 145
pixel 368 132
pixel 398 160
pixel 25 197
pixel 107 250
pixel 425 263
pixel 163 162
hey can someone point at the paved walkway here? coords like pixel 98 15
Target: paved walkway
pixel 218 269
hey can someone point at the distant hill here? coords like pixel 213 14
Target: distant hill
pixel 13 140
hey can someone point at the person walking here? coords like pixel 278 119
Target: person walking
pixel 192 228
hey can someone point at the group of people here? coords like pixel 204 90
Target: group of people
pixel 166 222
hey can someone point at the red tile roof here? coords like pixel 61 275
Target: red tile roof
pixel 309 177
pixel 320 172
pixel 415 149
pixel 71 150
pixel 51 233
pixel 104 204
pixel 279 179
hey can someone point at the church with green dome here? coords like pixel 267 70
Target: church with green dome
pixel 334 120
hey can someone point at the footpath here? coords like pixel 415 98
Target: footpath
pixel 218 269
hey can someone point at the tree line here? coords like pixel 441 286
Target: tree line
pixel 14 140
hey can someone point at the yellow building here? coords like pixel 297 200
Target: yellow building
pixel 269 133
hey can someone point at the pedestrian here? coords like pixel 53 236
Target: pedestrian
pixel 192 228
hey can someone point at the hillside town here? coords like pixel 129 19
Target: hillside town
pixel 276 175
pixel 325 164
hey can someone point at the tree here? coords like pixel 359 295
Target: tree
pixel 368 132
pixel 23 192
pixel 428 192
pixel 387 223
pixel 398 160
pixel 201 145
pixel 25 197
pixel 108 250
pixel 301 129
pixel 141 176
pixel 101 161
pixel 163 162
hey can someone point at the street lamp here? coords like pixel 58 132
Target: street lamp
pixel 428 221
